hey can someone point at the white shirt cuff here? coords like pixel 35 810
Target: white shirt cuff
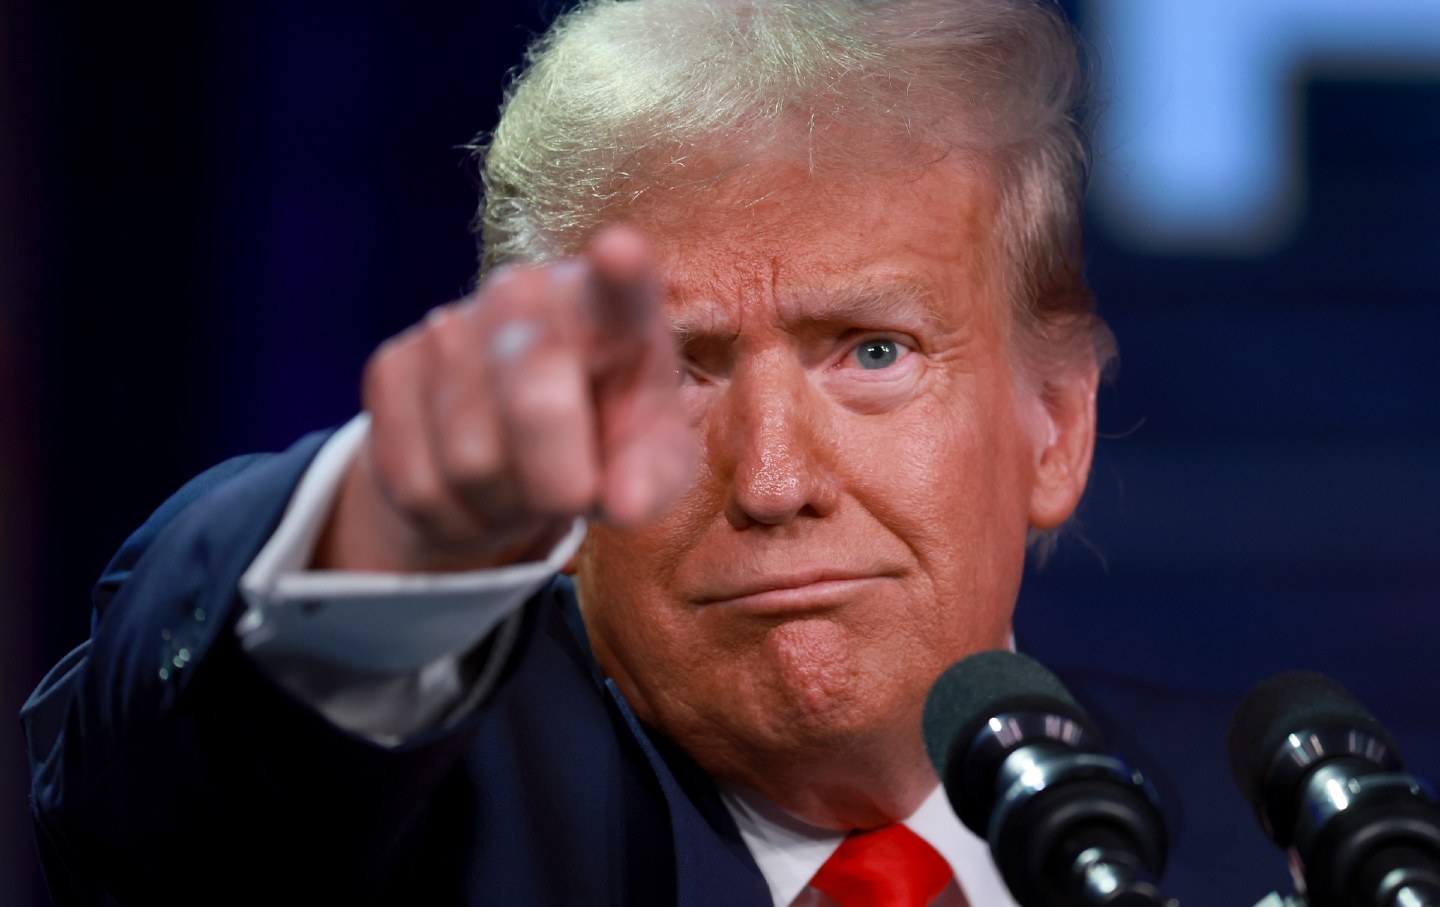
pixel 379 623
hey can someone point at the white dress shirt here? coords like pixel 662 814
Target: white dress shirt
pixel 789 852
pixel 379 654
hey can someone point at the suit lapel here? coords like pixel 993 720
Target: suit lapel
pixel 712 866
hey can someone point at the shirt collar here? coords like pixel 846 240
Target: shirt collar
pixel 789 852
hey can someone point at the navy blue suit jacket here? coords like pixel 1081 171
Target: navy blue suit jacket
pixel 167 767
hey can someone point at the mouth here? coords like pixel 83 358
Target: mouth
pixel 812 591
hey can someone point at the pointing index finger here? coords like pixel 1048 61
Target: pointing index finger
pixel 646 443
pixel 625 310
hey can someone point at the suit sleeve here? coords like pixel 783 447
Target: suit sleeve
pixel 166 766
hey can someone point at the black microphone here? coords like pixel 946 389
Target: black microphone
pixel 1328 784
pixel 1022 765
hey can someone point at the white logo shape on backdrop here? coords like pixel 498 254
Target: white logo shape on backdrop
pixel 1200 147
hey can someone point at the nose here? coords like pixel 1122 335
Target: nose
pixel 775 434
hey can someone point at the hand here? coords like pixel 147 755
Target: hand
pixel 549 393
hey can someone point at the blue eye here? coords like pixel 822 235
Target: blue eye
pixel 877 354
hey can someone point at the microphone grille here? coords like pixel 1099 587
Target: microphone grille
pixel 975 689
pixel 1285 704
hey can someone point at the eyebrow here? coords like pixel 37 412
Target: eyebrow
pixel 888 303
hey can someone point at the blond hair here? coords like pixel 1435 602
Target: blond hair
pixel 624 98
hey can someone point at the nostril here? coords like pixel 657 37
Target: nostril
pixel 777 483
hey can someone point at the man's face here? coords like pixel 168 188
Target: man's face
pixel 868 471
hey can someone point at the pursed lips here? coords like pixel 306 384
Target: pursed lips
pixel 804 589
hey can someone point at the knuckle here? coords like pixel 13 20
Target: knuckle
pixel 510 286
pixel 427 506
pixel 470 460
pixel 468 442
pixel 544 295
pixel 563 491
pixel 496 281
pixel 415 500
pixel 546 388
pixel 543 404
pixel 389 368
pixel 450 339
pixel 410 488
pixel 373 378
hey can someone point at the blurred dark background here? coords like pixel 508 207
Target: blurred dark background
pixel 211 213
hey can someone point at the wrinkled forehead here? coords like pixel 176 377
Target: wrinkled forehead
pixel 796 156
pixel 899 238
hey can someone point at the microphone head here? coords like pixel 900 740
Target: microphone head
pixel 1289 703
pixel 1022 768
pixel 982 686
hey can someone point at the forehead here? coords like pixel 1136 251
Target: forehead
pixel 917 237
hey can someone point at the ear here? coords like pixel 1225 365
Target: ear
pixel 1065 443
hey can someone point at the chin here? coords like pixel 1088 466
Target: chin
pixel 845 766
pixel 810 729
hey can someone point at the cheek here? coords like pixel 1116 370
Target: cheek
pixel 953 463
pixel 627 595
pixel 952 480
pixel 623 577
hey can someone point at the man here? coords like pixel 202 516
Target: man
pixel 785 299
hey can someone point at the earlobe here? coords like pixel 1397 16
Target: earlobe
pixel 1065 446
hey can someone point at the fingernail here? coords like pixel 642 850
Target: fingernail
pixel 569 270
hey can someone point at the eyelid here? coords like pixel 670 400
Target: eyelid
pixel 690 372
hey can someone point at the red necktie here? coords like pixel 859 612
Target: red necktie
pixel 889 866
